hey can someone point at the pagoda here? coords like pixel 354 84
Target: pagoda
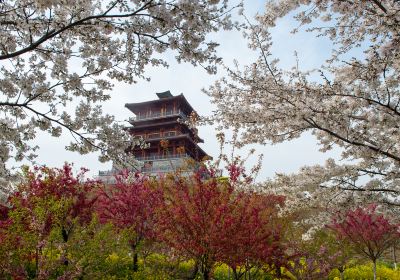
pixel 161 124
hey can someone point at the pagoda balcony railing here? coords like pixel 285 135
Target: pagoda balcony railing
pixel 146 158
pixel 157 115
pixel 164 135
pixel 157 157
pixel 159 169
pixel 107 173
pixel 114 172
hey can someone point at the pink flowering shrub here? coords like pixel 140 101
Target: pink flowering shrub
pixel 370 233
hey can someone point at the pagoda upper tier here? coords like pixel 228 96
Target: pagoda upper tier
pixel 166 106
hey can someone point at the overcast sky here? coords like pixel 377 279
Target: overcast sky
pixel 189 80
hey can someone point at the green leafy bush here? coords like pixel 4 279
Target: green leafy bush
pixel 361 272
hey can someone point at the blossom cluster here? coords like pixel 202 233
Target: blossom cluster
pixel 354 106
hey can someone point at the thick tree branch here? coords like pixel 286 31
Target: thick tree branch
pixel 352 142
pixel 380 5
pixel 52 33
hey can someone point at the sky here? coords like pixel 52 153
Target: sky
pixel 184 78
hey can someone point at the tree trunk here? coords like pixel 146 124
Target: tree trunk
pixel 341 271
pixel 205 266
pixel 278 271
pixel 236 275
pixel 206 274
pixel 205 270
pixel 193 274
pixel 37 262
pixel 65 236
pixel 135 266
pixel 374 269
pixel 394 257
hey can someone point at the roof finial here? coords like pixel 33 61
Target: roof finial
pixel 164 94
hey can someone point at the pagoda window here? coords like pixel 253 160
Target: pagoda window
pixel 169 111
pixel 141 115
pixel 169 133
pixel 153 135
pixel 168 152
pixel 155 113
pixel 153 154
pixel 158 111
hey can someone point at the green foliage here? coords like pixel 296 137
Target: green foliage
pixel 97 251
pixel 222 272
pixel 361 272
pixel 161 266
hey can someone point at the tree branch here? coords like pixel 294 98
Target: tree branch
pixel 352 142
pixel 52 33
pixel 380 5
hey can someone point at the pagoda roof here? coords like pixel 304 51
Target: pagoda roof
pixel 135 107
pixel 164 94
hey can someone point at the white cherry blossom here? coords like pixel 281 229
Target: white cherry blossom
pixel 60 58
pixel 354 106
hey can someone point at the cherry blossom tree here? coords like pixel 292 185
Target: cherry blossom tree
pixel 252 235
pixel 316 257
pixel 211 221
pixel 4 223
pixel 49 205
pixel 191 216
pixel 76 192
pixel 349 102
pixel 59 60
pixel 369 232
pixel 132 204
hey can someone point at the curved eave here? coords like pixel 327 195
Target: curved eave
pixel 153 125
